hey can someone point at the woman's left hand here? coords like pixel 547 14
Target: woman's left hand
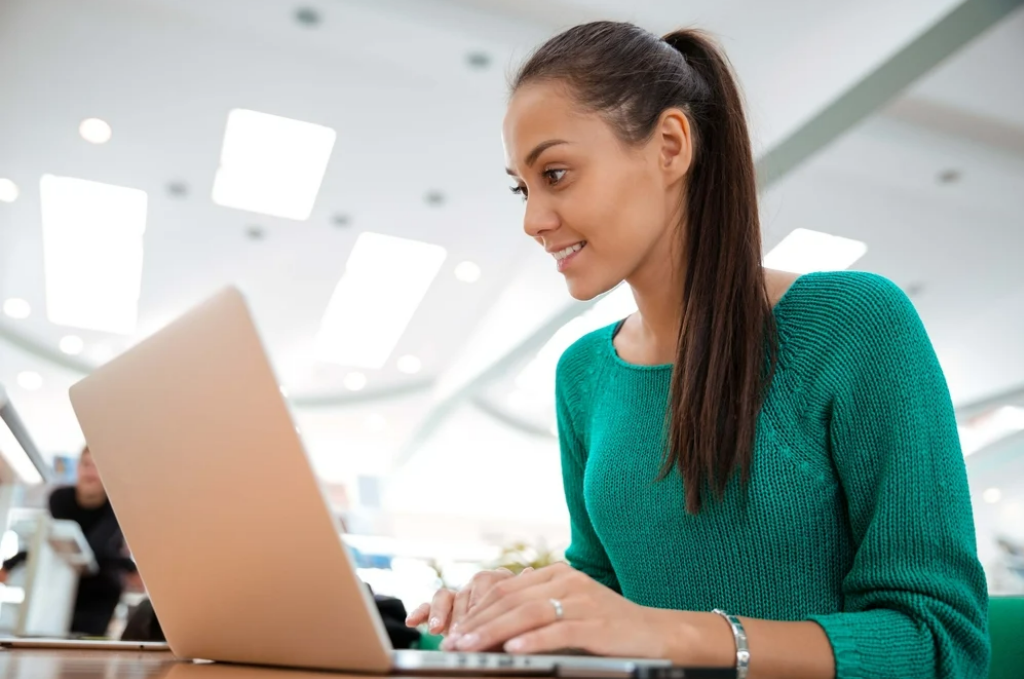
pixel 521 615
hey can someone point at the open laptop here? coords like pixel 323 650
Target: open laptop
pixel 224 515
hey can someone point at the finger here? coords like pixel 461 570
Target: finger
pixel 523 582
pixel 418 616
pixel 460 608
pixel 483 583
pixel 524 615
pixel 576 634
pixel 440 611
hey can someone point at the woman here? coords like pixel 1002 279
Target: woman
pixel 782 448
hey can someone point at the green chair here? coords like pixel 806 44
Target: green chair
pixel 1006 627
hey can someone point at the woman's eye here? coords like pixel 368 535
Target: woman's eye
pixel 518 190
pixel 554 176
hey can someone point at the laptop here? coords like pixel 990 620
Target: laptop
pixel 225 517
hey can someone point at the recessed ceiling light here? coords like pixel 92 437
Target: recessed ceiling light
pixel 17 308
pixel 434 198
pixel 307 16
pixel 385 280
pixel 950 176
pixel 30 380
pixel 177 189
pixel 341 219
pixel 478 60
pixel 410 365
pixel 254 232
pixel 92 252
pixel 95 131
pixel 806 251
pixel 272 165
pixel 467 272
pixel 355 381
pixel 376 422
pixel 8 191
pixel 992 495
pixel 72 345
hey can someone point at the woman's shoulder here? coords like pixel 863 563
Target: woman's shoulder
pixel 850 301
pixel 581 357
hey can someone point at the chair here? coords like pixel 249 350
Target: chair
pixel 1006 628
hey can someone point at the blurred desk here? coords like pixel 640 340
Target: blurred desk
pixel 33 664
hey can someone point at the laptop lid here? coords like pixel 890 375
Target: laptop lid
pixel 218 501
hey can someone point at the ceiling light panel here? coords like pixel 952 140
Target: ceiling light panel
pixel 385 280
pixel 272 165
pixel 92 251
pixel 806 251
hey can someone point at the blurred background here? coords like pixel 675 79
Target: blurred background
pixel 153 151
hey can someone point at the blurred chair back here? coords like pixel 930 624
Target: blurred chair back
pixel 1006 627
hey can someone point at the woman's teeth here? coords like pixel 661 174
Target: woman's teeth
pixel 562 254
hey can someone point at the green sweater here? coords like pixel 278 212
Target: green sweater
pixel 857 514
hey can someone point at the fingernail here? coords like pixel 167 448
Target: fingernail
pixel 467 642
pixel 434 623
pixel 455 628
pixel 514 646
pixel 449 643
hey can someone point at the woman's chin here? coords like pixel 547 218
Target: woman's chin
pixel 584 290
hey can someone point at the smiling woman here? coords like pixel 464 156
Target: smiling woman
pixel 762 470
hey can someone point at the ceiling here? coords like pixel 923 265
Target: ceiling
pixel 414 116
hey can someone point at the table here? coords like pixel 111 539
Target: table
pixel 40 664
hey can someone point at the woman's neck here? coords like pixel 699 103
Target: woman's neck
pixel 658 291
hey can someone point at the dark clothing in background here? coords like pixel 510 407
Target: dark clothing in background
pixel 98 594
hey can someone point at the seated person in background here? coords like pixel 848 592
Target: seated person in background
pixel 86 503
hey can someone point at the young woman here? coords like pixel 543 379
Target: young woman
pixel 751 453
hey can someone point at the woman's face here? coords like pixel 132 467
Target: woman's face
pixel 601 207
pixel 88 475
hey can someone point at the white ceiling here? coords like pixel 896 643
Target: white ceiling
pixel 412 117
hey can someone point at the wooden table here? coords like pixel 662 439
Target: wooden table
pixel 33 664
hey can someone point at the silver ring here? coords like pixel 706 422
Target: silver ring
pixel 559 611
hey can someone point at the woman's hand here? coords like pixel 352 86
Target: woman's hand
pixel 521 615
pixel 447 609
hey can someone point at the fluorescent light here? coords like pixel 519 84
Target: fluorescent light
pixel 992 495
pixel 990 427
pixel 410 365
pixel 805 251
pixel 30 380
pixel 72 345
pixel 8 191
pixel 17 308
pixel 16 457
pixel 467 272
pixel 355 381
pixel 384 282
pixel 95 131
pixel 272 165
pixel 92 249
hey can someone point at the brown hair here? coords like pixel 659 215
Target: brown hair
pixel 727 343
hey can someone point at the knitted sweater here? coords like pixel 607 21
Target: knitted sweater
pixel 857 515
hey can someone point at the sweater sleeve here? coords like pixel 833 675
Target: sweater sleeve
pixel 585 552
pixel 915 597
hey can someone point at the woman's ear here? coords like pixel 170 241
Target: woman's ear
pixel 675 145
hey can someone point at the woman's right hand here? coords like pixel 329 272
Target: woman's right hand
pixel 447 608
